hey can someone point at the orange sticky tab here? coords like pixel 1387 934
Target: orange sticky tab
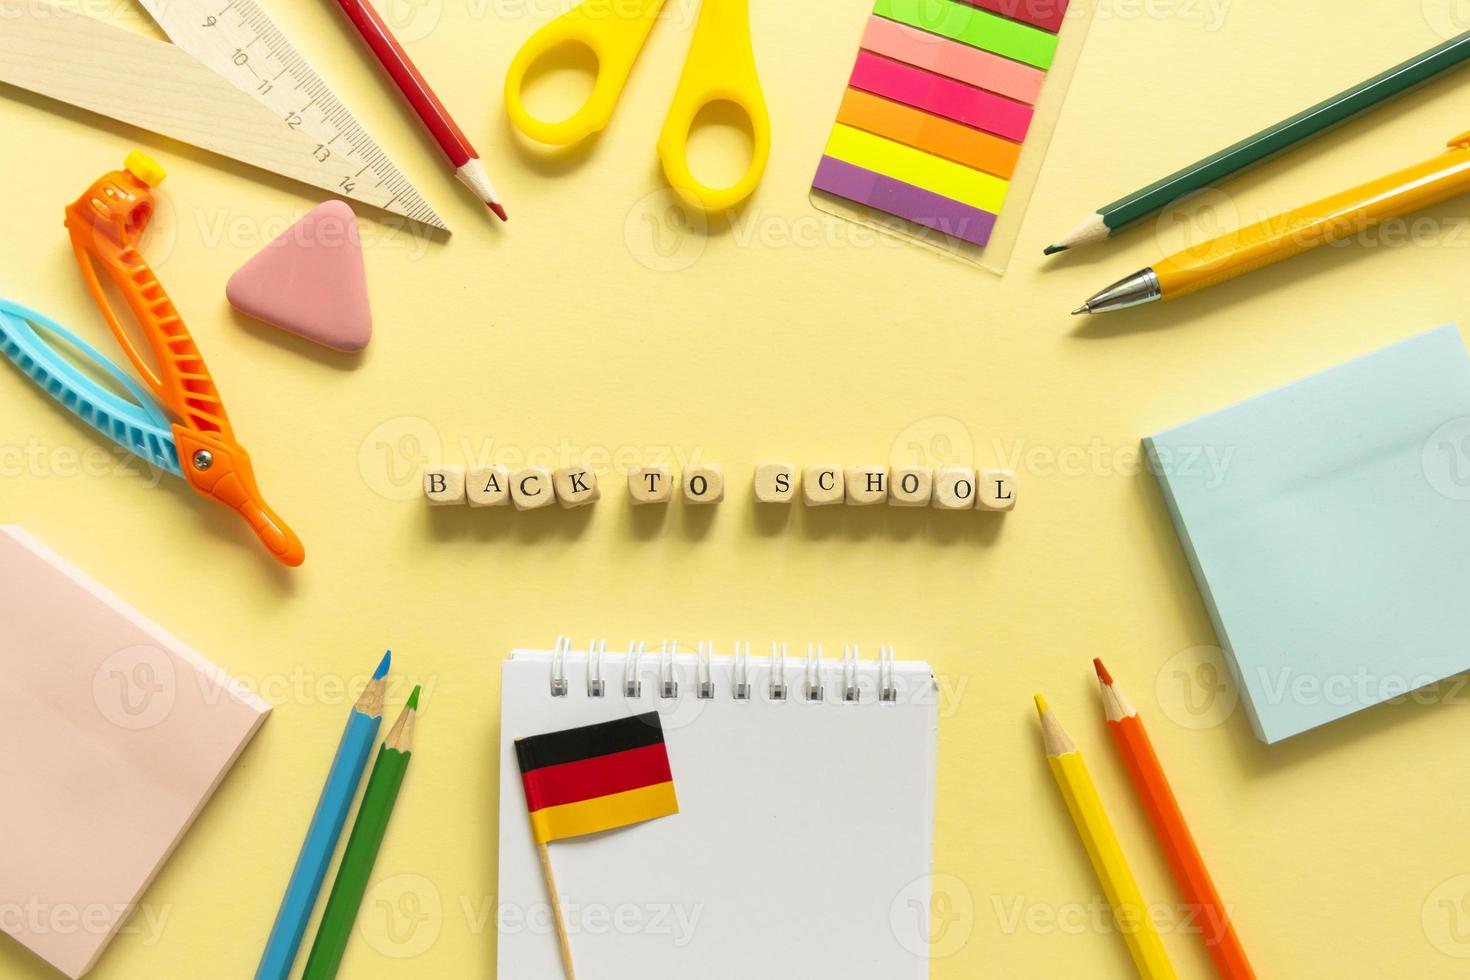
pixel 933 134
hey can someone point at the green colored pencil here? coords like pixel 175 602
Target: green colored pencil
pixel 1110 219
pixel 362 847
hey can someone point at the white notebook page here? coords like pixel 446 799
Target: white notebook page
pixel 801 851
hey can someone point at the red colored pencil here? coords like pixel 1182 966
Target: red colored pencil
pixel 1158 801
pixel 467 165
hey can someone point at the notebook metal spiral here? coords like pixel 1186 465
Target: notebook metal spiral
pixel 706 686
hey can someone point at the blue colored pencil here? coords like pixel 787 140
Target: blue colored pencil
pixel 325 829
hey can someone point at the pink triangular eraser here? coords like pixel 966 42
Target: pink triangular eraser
pixel 310 281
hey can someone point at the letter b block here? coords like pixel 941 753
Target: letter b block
pixel 444 485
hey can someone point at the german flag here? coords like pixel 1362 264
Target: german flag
pixel 599 777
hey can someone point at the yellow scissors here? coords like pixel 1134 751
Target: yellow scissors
pixel 720 68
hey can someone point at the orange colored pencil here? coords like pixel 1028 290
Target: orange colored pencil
pixel 1167 820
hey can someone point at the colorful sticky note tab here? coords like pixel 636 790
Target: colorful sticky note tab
pixel 939 101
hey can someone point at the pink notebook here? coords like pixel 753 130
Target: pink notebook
pixel 114 734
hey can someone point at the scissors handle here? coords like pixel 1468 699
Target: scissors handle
pixel 614 31
pixel 720 68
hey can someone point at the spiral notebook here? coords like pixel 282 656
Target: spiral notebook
pixel 803 843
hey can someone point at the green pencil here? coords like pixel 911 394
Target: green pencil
pixel 1110 219
pixel 362 847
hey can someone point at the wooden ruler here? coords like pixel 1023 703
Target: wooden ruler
pixel 230 83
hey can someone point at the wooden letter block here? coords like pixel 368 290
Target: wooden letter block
pixel 531 488
pixel 954 488
pixel 650 484
pixel 910 486
pixel 444 485
pixel 775 483
pixel 488 486
pixel 704 483
pixel 576 486
pixel 822 485
pixel 997 490
pixel 865 485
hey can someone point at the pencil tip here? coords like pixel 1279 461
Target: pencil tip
pixel 413 699
pixel 1040 704
pixel 1102 672
pixel 382 670
pixel 1081 310
pixel 1054 249
pixel 498 208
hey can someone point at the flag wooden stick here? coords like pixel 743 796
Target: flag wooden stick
pixel 561 922
pixel 592 779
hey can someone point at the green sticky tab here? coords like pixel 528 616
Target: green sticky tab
pixel 975 27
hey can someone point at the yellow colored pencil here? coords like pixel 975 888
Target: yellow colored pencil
pixel 1332 219
pixel 1130 911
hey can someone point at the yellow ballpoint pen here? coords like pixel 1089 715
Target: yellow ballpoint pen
pixel 1334 218
pixel 1129 910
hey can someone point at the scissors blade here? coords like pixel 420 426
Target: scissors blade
pixel 139 426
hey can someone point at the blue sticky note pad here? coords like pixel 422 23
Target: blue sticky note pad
pixel 1328 526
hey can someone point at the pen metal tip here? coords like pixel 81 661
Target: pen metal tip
pixel 1084 308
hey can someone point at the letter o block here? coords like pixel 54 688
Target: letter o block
pixel 910 486
pixel 704 483
pixel 954 488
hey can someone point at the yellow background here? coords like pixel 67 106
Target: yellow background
pixel 591 321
